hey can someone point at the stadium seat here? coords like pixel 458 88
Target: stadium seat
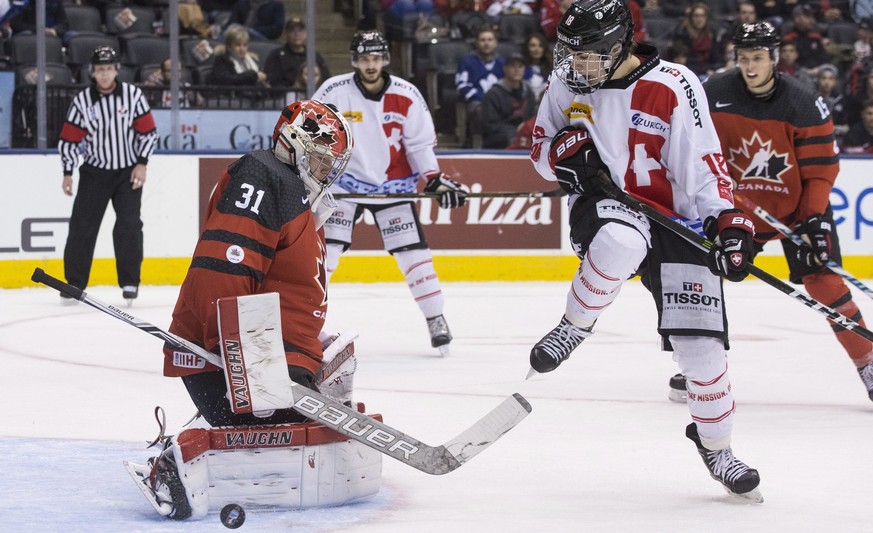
pixel 262 49
pixel 145 49
pixel 440 81
pixel 465 24
pixel 81 48
pixel 660 28
pixel 517 27
pixel 186 47
pixel 842 32
pixel 56 74
pixel 505 49
pixel 83 19
pixel 23 49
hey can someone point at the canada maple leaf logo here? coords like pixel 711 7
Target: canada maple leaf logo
pixel 756 160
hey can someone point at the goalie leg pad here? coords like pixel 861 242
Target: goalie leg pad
pixel 255 367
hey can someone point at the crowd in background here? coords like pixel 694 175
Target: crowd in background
pixel 826 44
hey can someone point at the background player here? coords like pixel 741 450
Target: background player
pixel 396 138
pixel 654 139
pixel 778 138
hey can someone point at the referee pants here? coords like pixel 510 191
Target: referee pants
pixel 96 188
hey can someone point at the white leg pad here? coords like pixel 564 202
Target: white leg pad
pixel 250 330
pixel 288 466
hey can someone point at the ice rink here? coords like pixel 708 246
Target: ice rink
pixel 603 449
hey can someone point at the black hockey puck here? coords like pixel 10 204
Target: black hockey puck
pixel 232 515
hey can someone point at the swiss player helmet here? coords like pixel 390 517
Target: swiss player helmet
pixel 369 42
pixel 757 35
pixel 315 139
pixel 594 37
pixel 103 55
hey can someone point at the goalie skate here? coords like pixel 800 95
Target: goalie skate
pixel 162 503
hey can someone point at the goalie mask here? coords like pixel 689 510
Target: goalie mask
pixel 594 37
pixel 316 140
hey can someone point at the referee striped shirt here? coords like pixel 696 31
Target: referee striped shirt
pixel 118 129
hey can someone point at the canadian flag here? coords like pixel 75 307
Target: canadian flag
pixel 189 129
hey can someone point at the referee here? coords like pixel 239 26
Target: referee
pixel 115 122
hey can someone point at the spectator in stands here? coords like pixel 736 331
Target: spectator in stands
pixel 262 18
pixel 728 57
pixel 746 13
pixel 299 87
pixel 283 64
pixel 192 20
pixel 235 65
pixel 538 62
pixel 789 63
pixel 507 104
pixel 696 33
pixel 55 20
pixel 161 78
pixel 863 47
pixel 859 139
pixel 861 10
pixel 809 42
pixel 677 53
pixel 509 7
pixel 640 33
pixel 476 74
pixel 551 12
pixel 447 8
pixel 859 89
pixel 828 81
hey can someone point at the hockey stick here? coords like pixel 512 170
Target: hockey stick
pixel 434 460
pixel 832 265
pixel 691 236
pixel 400 195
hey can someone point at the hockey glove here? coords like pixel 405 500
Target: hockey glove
pixel 577 164
pixel 816 231
pixel 732 234
pixel 451 193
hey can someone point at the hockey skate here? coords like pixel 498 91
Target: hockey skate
pixel 678 392
pixel 160 484
pixel 736 476
pixel 866 373
pixel 129 293
pixel 557 345
pixel 440 336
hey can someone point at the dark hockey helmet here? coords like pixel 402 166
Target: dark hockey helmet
pixel 757 35
pixel 594 37
pixel 103 55
pixel 369 42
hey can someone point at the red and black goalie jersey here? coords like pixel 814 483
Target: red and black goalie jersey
pixel 259 237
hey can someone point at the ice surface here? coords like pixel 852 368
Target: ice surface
pixel 603 449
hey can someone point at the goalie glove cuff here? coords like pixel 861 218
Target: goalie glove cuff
pixel 451 193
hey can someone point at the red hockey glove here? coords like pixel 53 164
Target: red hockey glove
pixel 816 231
pixel 732 234
pixel 577 164
pixel 451 193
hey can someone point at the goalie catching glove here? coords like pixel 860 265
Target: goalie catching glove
pixel 451 193
pixel 816 231
pixel 577 164
pixel 731 234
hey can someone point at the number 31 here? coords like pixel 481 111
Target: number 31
pixel 248 190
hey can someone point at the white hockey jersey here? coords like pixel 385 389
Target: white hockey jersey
pixel 654 132
pixel 393 132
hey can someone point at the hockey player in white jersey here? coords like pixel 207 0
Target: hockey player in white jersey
pixel 616 116
pixel 395 134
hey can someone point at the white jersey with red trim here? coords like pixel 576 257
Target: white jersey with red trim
pixel 654 132
pixel 393 131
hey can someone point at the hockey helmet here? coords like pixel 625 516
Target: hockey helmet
pixel 369 42
pixel 315 139
pixel 594 37
pixel 757 35
pixel 103 55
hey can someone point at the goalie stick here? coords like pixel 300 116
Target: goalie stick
pixel 832 265
pixel 434 460
pixel 704 244
pixel 391 196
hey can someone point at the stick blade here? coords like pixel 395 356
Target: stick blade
pixel 488 429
